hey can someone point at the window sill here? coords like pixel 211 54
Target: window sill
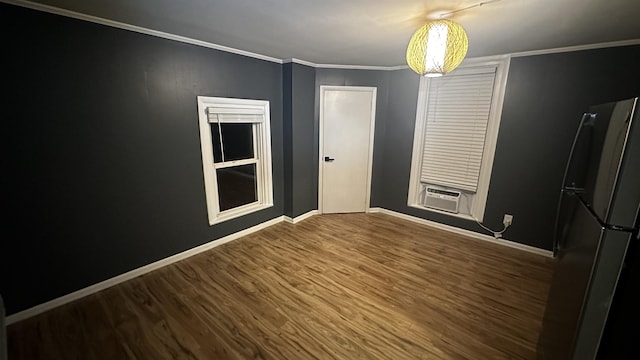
pixel 239 211
pixel 458 215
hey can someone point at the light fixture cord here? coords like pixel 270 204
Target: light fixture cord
pixel 469 7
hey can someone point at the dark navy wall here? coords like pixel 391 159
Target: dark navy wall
pixel 287 128
pixel 545 98
pixel 374 78
pixel 400 126
pixel 102 150
pixel 301 165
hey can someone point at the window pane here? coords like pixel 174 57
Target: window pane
pixel 237 140
pixel 237 186
pixel 217 148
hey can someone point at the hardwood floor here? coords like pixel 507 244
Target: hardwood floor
pixel 358 286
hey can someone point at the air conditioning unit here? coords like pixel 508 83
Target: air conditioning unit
pixel 445 200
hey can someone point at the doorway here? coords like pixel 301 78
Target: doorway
pixel 347 119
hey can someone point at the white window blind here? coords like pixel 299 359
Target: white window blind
pixel 458 107
pixel 236 114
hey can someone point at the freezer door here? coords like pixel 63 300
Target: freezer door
pixel 595 164
pixel 580 235
pixel 589 258
pixel 566 211
pixel 602 287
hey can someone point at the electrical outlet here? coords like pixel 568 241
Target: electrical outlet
pixel 508 219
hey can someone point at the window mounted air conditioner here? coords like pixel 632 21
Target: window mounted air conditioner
pixel 440 199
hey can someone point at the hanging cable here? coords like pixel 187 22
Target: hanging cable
pixel 496 234
pixel 468 7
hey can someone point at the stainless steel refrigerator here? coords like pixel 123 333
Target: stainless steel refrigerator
pixel 596 233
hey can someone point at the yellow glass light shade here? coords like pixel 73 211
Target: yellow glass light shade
pixel 437 48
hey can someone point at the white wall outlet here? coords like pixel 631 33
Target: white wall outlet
pixel 508 219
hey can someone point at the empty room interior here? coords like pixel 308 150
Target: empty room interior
pixel 358 179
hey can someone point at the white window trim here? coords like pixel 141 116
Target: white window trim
pixel 262 146
pixel 480 198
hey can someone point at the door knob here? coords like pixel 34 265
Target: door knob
pixel 328 159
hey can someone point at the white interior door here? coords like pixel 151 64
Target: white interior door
pixel 347 115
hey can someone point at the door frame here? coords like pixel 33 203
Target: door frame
pixel 371 89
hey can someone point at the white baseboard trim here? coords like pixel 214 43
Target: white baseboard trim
pixel 38 309
pixel 299 218
pixel 76 295
pixel 471 234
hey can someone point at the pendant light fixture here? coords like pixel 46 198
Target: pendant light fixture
pixel 437 48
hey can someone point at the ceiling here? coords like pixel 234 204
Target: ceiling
pixel 371 32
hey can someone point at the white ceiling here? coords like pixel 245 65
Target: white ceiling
pixel 371 32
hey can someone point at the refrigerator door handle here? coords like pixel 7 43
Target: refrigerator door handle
pixel 585 117
pixel 564 188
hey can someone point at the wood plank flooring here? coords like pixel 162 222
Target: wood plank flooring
pixel 357 286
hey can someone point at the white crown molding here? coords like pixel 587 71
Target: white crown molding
pixel 361 67
pixel 164 35
pixel 477 59
pixel 138 29
pixel 346 67
pixel 468 233
pixel 578 48
pixel 299 61
pixel 92 289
